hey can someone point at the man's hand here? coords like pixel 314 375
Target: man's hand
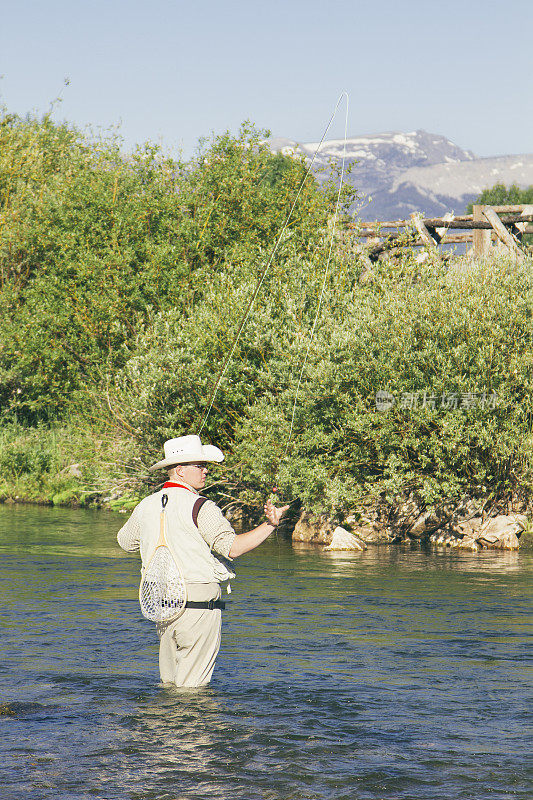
pixel 244 542
pixel 273 513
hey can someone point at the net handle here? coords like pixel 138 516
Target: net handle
pixel 162 542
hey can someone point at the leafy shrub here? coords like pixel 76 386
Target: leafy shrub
pixel 501 195
pixel 464 333
pixel 94 242
pixel 124 280
pixel 22 454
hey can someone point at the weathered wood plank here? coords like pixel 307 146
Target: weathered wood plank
pixel 453 224
pixel 481 239
pixel 439 222
pixel 502 232
pixel 465 236
pixel 396 223
pixel 500 209
pixel 519 228
pixel 443 230
pixel 423 232
pixel 369 233
pixel 465 225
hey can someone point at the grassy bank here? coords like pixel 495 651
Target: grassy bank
pixel 66 465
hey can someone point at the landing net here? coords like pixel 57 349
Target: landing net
pixel 162 593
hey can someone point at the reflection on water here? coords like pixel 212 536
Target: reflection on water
pixel 392 674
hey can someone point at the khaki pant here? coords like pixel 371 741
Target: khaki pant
pixel 189 646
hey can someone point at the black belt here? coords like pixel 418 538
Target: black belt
pixel 210 604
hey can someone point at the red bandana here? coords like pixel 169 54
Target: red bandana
pixel 171 484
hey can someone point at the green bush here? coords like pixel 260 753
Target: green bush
pixel 94 242
pixel 501 195
pixel 22 453
pixel 461 332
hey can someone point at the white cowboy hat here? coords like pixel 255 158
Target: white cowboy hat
pixel 187 448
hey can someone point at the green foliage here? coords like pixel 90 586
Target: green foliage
pixel 28 460
pixel 276 168
pixel 166 383
pixel 94 242
pixel 123 281
pixel 43 464
pixel 457 332
pixel 15 461
pixel 501 195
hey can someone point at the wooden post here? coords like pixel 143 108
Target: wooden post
pixel 502 232
pixel 480 239
pixel 441 232
pixel 424 234
pixel 521 227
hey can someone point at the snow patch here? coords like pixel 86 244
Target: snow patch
pixel 402 138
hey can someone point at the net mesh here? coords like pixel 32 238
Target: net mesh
pixel 162 594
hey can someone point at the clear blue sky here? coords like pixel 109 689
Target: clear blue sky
pixel 176 71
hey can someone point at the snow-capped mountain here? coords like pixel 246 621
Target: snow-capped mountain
pixel 398 173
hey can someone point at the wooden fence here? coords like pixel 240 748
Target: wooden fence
pixel 486 227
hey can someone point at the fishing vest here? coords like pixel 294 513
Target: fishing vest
pixel 197 562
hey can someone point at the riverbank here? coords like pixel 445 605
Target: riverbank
pixel 465 526
pixel 355 444
pixel 76 465
pixel 471 524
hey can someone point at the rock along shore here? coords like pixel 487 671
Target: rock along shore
pixel 464 525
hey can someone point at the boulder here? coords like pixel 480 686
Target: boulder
pixel 468 528
pixel 412 519
pixel 466 508
pixel 235 515
pixel 344 540
pixel 437 520
pixel 448 526
pixel 467 543
pixel 424 525
pixel 498 533
pixel 445 538
pixel 315 530
pixel 369 527
pixel 374 534
pixel 526 539
pixel 502 532
pixel 407 512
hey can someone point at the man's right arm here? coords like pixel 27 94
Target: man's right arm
pixel 244 542
pixel 129 536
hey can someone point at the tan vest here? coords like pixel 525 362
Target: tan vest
pixel 196 560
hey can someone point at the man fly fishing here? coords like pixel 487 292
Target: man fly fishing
pixel 201 539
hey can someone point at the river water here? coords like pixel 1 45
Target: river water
pixel 394 674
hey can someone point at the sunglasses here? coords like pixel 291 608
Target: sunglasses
pixel 199 466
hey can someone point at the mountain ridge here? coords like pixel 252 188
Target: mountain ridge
pixel 398 173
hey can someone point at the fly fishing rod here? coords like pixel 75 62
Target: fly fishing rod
pixel 263 275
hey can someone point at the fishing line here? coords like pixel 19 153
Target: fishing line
pixel 244 320
pixel 326 274
pixel 321 297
